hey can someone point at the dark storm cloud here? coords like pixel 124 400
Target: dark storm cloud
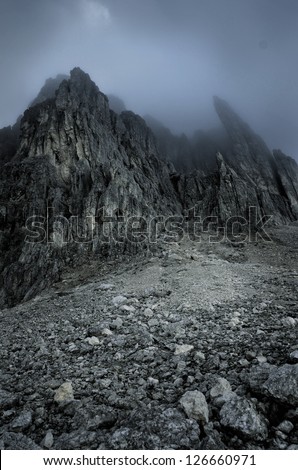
pixel 162 57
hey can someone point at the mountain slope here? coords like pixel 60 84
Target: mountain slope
pixel 75 157
pixel 74 173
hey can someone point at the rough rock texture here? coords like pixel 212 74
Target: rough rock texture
pixel 9 141
pixel 288 174
pixel 156 429
pixel 22 422
pixel 64 393
pixel 72 162
pixel 243 174
pixel 282 384
pixel 253 162
pixel 7 399
pixel 247 175
pixel 195 406
pixel 75 157
pixel 222 194
pixel 240 415
pixel 17 441
pixel 127 388
pixel 49 89
pixel 258 376
pixel 221 387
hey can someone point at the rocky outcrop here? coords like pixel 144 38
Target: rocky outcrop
pixel 287 169
pixel 245 175
pixel 71 162
pixel 75 157
pixel 223 195
pixel 9 141
pixel 222 173
pixel 49 89
pixel 253 162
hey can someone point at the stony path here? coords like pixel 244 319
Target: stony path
pixel 195 347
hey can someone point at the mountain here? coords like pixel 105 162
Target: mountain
pixel 187 154
pixel 75 156
pixel 49 89
pixel 288 177
pixel 73 171
pixel 9 141
pixel 247 174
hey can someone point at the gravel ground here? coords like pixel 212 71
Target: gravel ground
pixel 192 347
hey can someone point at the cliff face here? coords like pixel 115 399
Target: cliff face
pixel 75 157
pixel 253 162
pixel 189 153
pixel 246 174
pixel 9 141
pixel 49 89
pixel 287 170
pixel 71 156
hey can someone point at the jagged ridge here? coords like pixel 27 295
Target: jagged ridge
pixel 76 156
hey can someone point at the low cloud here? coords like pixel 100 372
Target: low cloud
pixel 95 13
pixel 166 58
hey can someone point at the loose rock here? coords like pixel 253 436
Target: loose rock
pixel 64 394
pixel 195 406
pixel 241 416
pixel 282 384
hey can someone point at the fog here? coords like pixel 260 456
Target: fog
pixel 166 58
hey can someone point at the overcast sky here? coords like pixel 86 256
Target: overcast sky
pixel 166 58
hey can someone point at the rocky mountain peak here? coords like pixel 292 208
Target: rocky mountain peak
pixel 247 146
pixel 77 157
pixel 49 89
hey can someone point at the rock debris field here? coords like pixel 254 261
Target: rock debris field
pixel 193 346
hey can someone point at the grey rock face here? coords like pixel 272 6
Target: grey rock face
pixel 49 89
pixel 246 175
pixel 75 157
pixel 241 416
pixel 9 141
pixel 288 175
pixel 78 440
pixel 282 384
pixel 72 162
pixel 286 427
pixel 255 166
